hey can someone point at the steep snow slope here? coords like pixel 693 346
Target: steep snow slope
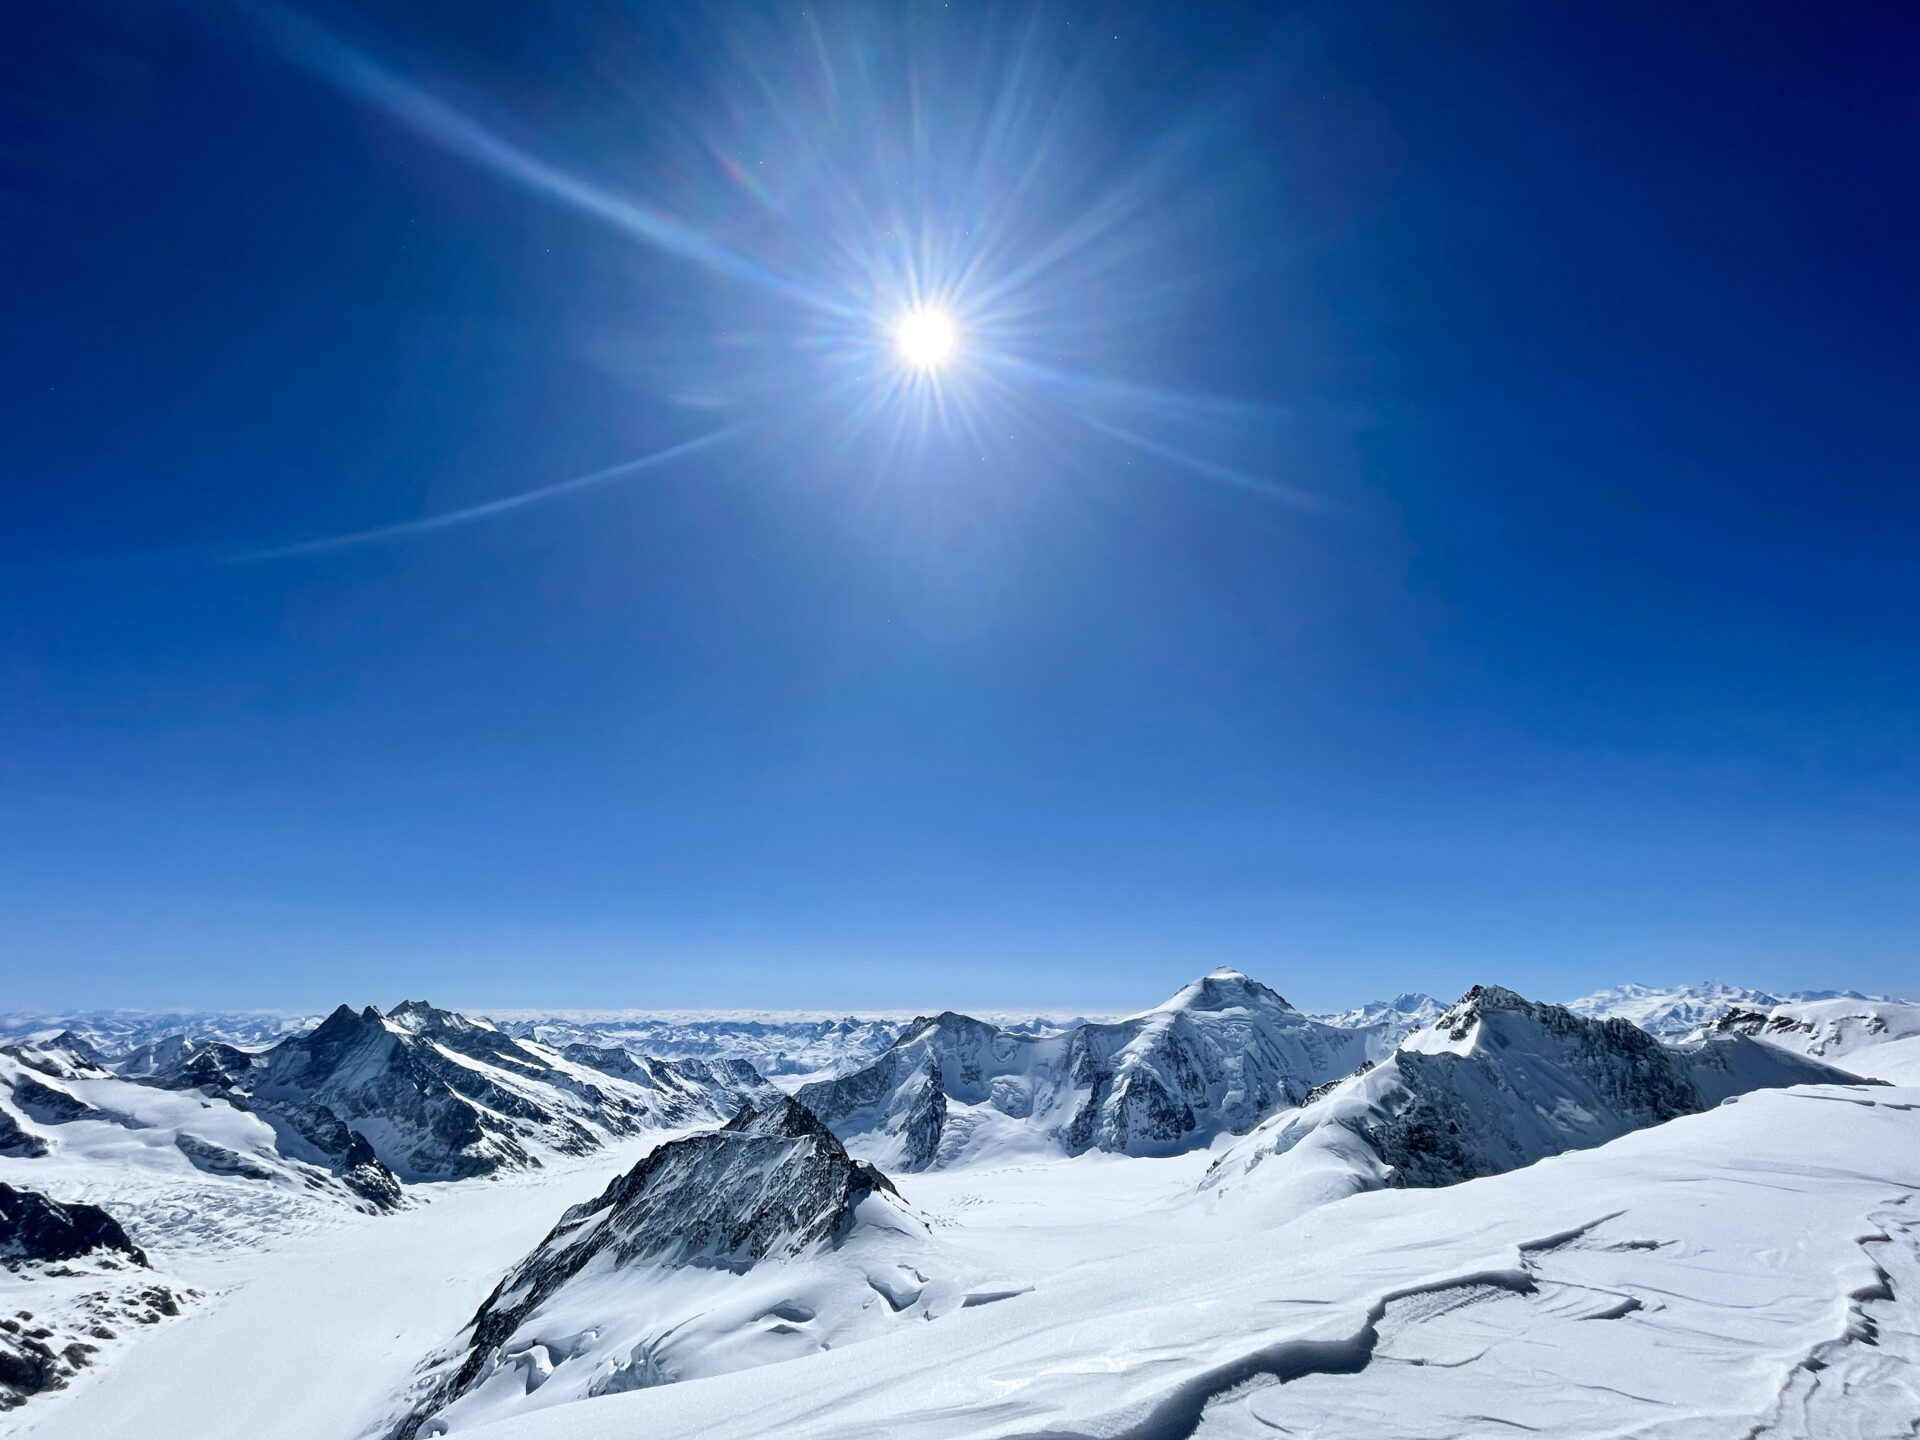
pixel 1880 1038
pixel 755 1243
pixel 437 1096
pixel 1495 1083
pixel 1751 1271
pixel 1215 1058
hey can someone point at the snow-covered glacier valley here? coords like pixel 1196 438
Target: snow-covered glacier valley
pixel 1219 1218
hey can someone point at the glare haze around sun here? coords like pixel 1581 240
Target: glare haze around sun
pixel 925 338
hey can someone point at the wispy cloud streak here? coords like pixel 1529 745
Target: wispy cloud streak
pixel 493 507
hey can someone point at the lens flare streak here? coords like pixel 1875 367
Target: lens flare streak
pixel 949 267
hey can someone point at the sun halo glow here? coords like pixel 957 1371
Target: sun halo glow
pixel 925 338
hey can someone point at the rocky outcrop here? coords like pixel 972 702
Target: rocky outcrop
pixel 17 1143
pixel 32 1227
pixel 49 1104
pixel 772 1184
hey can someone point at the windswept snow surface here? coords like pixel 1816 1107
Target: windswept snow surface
pixel 1748 1272
pixel 1752 1271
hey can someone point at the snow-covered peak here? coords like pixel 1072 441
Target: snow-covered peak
pixel 1216 1058
pixel 1225 989
pixel 772 1186
pixel 1458 1028
pixel 438 1096
pixel 1497 1082
pixel 1408 1011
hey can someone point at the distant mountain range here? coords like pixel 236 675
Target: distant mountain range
pixel 1675 1012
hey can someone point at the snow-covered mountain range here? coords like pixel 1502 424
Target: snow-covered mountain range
pixel 1217 1057
pixel 1391 1019
pixel 1215 1218
pixel 1679 1012
pixel 1495 1083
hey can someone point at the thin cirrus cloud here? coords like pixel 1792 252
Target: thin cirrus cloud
pixel 450 518
pixel 441 123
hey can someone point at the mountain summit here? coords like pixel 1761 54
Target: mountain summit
pixel 1217 1057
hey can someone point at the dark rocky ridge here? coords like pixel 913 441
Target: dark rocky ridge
pixel 382 1099
pixel 32 1227
pixel 771 1182
pixel 16 1143
pixel 1499 1081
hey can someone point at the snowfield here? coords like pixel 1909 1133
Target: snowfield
pixel 1685 1281
pixel 1520 1221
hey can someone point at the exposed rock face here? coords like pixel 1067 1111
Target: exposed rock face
pixel 86 1281
pixel 425 1094
pixel 771 1184
pixel 1498 1082
pixel 16 1143
pixel 1218 1057
pixel 32 1227
pixel 49 1104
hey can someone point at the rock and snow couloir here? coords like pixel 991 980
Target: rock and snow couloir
pixel 1216 1058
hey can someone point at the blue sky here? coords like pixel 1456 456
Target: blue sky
pixel 1425 495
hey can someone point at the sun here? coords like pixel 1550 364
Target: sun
pixel 925 338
